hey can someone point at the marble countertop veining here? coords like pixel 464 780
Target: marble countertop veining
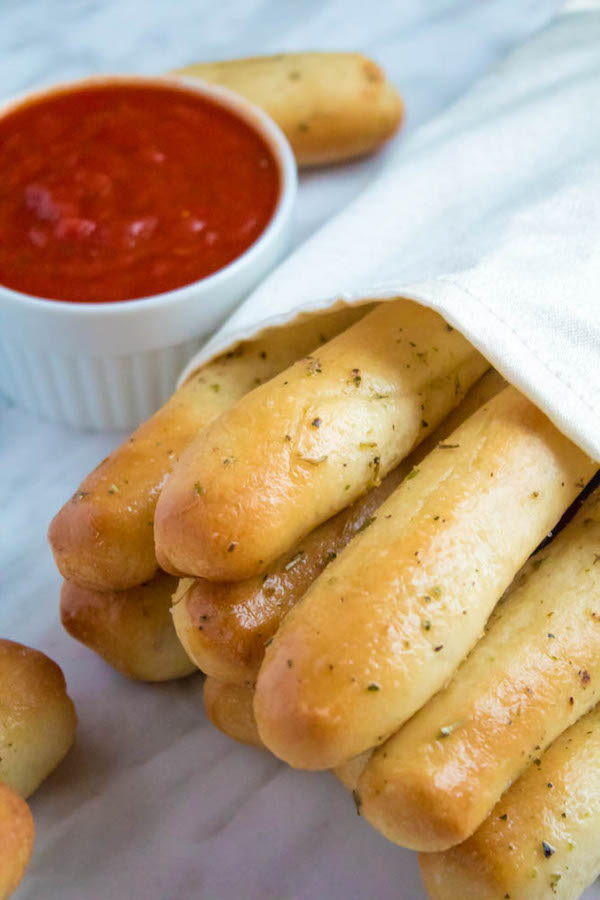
pixel 152 803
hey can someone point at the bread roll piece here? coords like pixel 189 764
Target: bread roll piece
pixel 394 615
pixel 229 708
pixel 37 718
pixel 132 630
pixel 102 538
pixel 298 450
pixel 330 106
pixel 541 840
pixel 534 673
pixel 16 840
pixel 225 626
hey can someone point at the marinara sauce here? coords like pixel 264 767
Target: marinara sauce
pixel 118 191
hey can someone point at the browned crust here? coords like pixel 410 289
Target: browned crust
pixel 297 450
pixel 226 626
pixel 102 538
pixel 556 801
pixel 229 708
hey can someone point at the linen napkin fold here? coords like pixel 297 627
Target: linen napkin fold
pixel 490 214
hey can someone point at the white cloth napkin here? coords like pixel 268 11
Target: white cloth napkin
pixel 490 214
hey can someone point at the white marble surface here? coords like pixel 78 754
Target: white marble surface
pixel 152 803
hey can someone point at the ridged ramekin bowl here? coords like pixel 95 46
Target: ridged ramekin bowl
pixel 110 365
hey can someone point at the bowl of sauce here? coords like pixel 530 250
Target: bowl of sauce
pixel 135 214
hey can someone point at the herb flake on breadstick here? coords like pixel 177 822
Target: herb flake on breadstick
pixel 444 548
pixel 280 489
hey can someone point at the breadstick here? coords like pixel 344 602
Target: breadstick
pixel 541 840
pixel 102 537
pixel 298 450
pixel 16 840
pixel 330 106
pixel 37 717
pixel 389 622
pixel 132 630
pixel 225 626
pixel 534 673
pixel 229 708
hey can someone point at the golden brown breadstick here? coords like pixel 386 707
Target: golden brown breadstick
pixel 534 673
pixel 225 626
pixel 298 450
pixel 16 840
pixel 132 630
pixel 541 840
pixel 393 616
pixel 102 537
pixel 229 708
pixel 37 717
pixel 331 106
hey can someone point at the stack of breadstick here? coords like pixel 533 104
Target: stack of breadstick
pixel 330 106
pixel 115 598
pixel 350 503
pixel 37 727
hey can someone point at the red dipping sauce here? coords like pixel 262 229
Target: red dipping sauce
pixel 120 191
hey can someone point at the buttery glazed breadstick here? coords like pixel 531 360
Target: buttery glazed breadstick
pixel 534 673
pixel 132 630
pixel 102 537
pixel 393 616
pixel 225 626
pixel 298 450
pixel 331 106
pixel 229 708
pixel 542 840
pixel 16 840
pixel 37 718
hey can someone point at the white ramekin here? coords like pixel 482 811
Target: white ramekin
pixel 110 365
